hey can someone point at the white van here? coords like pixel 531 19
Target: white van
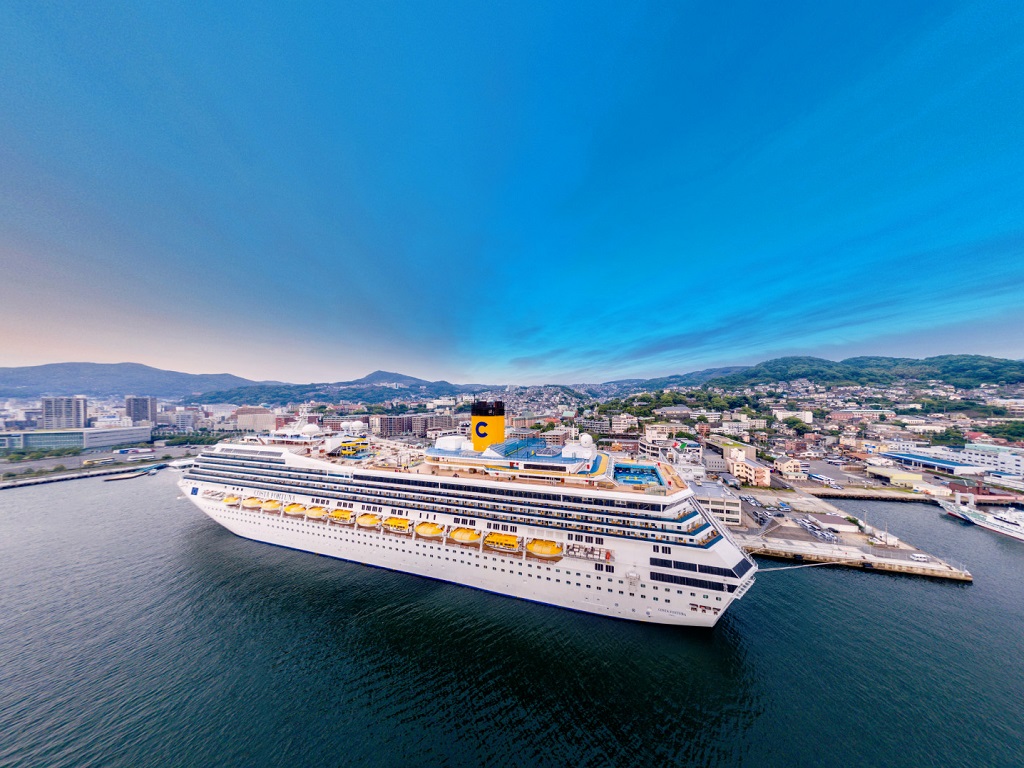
pixel 920 558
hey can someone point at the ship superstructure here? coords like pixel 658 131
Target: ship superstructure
pixel 563 525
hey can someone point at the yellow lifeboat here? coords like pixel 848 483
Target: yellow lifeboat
pixel 343 516
pixel 252 503
pixel 398 524
pixel 295 510
pixel 316 513
pixel 429 530
pixel 464 536
pixel 504 542
pixel 544 548
pixel 368 521
pixel 232 501
pixel 271 505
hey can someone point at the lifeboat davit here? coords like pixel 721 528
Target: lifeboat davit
pixel 504 542
pixel 252 503
pixel 398 524
pixel 295 510
pixel 368 521
pixel 544 548
pixel 316 513
pixel 464 536
pixel 429 530
pixel 343 516
pixel 232 501
pixel 271 505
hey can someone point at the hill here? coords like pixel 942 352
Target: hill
pixel 109 379
pixel 958 370
pixel 377 387
pixel 623 387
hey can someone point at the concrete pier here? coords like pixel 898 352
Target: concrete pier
pixel 896 560
pixel 868 549
pixel 60 478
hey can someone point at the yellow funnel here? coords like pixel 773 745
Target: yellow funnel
pixel 487 424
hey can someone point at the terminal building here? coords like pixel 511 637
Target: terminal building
pixel 90 437
pixel 917 461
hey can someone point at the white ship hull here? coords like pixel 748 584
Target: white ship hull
pixel 567 584
pixel 992 522
pixel 1008 523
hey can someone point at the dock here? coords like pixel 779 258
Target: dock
pixel 867 548
pixel 64 476
pixel 895 560
pixel 881 494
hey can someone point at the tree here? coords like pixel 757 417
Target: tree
pixel 798 426
pixel 949 436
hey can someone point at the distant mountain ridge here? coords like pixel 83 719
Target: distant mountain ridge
pixel 103 380
pixel 377 387
pixel 109 379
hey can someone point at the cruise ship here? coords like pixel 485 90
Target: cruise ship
pixel 1009 522
pixel 565 525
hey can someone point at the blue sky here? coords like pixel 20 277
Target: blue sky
pixel 508 192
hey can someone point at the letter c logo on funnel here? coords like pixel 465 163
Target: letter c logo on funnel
pixel 480 429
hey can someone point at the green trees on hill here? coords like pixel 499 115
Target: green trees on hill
pixel 958 370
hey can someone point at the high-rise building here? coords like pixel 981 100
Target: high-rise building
pixel 140 409
pixel 70 412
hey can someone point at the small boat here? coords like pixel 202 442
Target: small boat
pixel 368 521
pixel 295 510
pixel 232 501
pixel 398 524
pixel 464 536
pixel 271 505
pixel 343 516
pixel 252 503
pixel 316 513
pixel 429 530
pixel 544 548
pixel 504 542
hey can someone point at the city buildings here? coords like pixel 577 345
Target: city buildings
pixel 719 501
pixel 71 412
pixel 255 419
pixel 141 410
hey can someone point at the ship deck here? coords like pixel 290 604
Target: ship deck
pixel 397 457
pixel 674 483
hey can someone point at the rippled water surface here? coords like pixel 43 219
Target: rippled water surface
pixel 135 631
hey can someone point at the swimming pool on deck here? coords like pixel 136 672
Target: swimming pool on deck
pixel 638 474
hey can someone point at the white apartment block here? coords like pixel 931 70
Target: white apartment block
pixel 623 422
pixel 64 412
pixel 781 414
